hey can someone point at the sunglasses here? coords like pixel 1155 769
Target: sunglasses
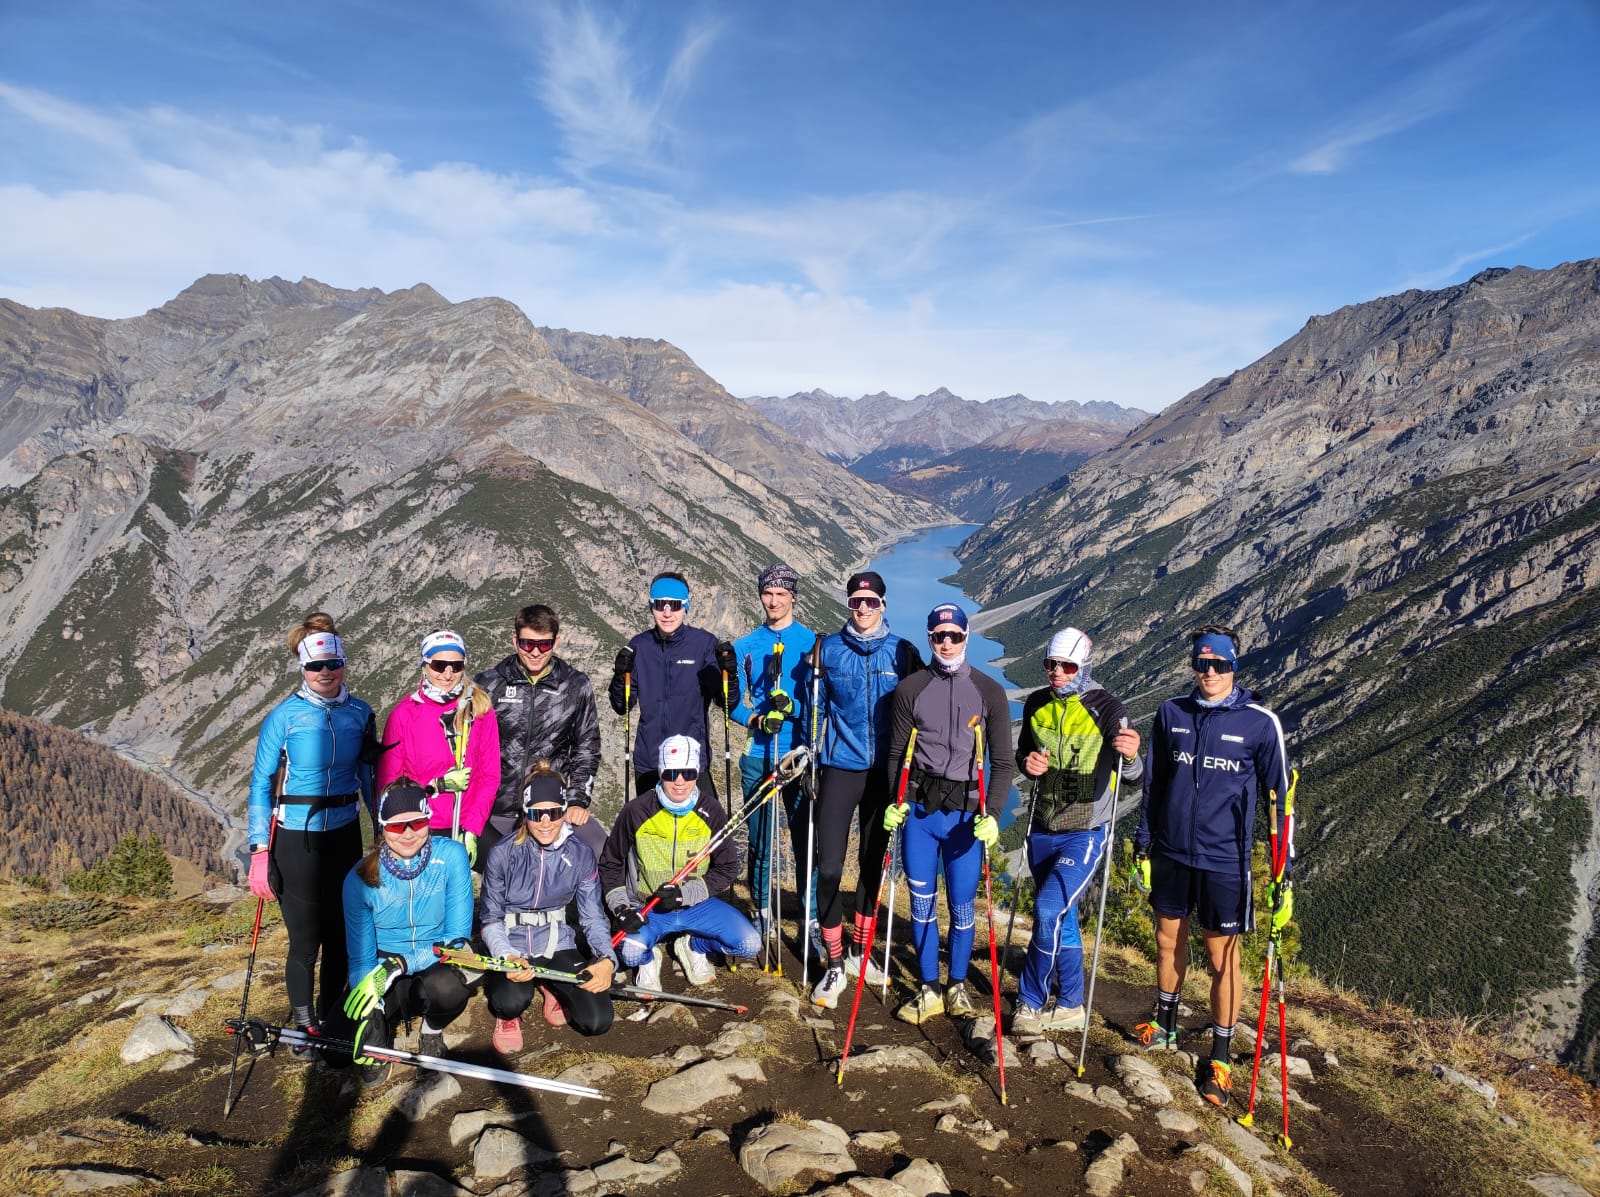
pixel 680 775
pixel 1211 665
pixel 1051 665
pixel 399 826
pixel 666 604
pixel 866 602
pixel 334 663
pixel 536 646
pixel 543 814
pixel 447 666
pixel 947 637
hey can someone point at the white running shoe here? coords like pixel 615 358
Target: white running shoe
pixel 1025 1020
pixel 1064 1018
pixel 697 969
pixel 648 974
pixel 826 994
pixel 852 969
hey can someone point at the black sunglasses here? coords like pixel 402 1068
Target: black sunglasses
pixel 680 775
pixel 1211 665
pixel 947 637
pixel 447 666
pixel 325 663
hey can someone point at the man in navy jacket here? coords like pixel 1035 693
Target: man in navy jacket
pixel 1213 753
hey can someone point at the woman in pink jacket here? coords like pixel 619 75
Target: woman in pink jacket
pixel 440 735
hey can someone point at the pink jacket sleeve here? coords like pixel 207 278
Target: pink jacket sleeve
pixel 391 747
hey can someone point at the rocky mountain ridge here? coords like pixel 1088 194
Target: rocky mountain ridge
pixel 1397 508
pixel 187 483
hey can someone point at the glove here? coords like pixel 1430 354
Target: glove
pixel 259 885
pixel 727 660
pixel 629 919
pixel 470 843
pixel 669 898
pixel 624 662
pixel 456 779
pixel 1139 874
pixel 364 1028
pixel 986 830
pixel 780 703
pixel 770 723
pixel 896 815
pixel 1280 896
pixel 368 992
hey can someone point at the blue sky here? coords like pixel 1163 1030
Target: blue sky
pixel 1041 198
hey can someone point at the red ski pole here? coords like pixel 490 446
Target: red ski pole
pixel 988 902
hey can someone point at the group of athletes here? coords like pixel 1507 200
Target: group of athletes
pixel 495 773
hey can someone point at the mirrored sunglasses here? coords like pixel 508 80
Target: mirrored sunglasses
pixel 1051 665
pixel 947 637
pixel 402 825
pixel 866 602
pixel 666 604
pixel 334 663
pixel 1210 665
pixel 543 814
pixel 447 666
pixel 536 646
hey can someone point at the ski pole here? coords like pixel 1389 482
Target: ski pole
pixel 627 736
pixel 1100 923
pixel 988 903
pixel 872 925
pixel 505 964
pixel 249 971
pixel 1274 866
pixel 262 1036
pixel 1016 886
pixel 790 767
pixel 727 745
pixel 457 732
pixel 811 821
pixel 1286 853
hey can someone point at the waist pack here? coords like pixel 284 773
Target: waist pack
pixel 935 794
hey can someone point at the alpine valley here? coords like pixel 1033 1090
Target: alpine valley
pixel 1399 508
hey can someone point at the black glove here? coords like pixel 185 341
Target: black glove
pixel 727 659
pixel 624 662
pixel 629 919
pixel 669 898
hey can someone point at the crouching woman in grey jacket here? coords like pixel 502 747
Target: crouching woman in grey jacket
pixel 528 885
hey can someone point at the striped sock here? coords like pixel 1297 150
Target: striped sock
pixel 833 942
pixel 1167 1011
pixel 1221 1044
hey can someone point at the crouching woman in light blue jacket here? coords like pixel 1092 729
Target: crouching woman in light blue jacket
pixel 412 891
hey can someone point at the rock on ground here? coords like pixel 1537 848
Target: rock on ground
pixel 922 1178
pixel 426 1093
pixel 152 1036
pixel 501 1151
pixel 90 1178
pixel 1240 1178
pixel 778 1153
pixel 353 1182
pixel 884 1056
pixel 1104 1176
pixel 686 1092
pixel 1483 1089
pixel 1142 1079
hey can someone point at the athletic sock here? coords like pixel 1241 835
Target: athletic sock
pixel 1167 1011
pixel 833 943
pixel 1222 1044
pixel 859 933
pixel 429 1029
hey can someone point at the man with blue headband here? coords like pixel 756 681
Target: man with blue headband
pixel 1213 753
pixel 672 673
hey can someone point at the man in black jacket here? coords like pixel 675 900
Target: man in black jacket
pixel 676 672
pixel 546 711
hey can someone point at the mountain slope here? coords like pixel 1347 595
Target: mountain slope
pixel 1397 507
pixel 191 481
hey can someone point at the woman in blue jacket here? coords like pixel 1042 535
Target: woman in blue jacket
pixel 860 666
pixel 412 892
pixel 313 768
pixel 527 885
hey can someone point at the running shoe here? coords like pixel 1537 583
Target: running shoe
pixel 648 974
pixel 553 1013
pixel 507 1037
pixel 697 969
pixel 1217 1083
pixel 1154 1038
pixel 852 969
pixel 958 1001
pixel 927 1003
pixel 1065 1018
pixel 827 991
pixel 1025 1020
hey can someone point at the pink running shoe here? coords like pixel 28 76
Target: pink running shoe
pixel 507 1036
pixel 553 1013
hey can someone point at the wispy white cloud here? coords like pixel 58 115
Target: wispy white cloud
pixel 1449 271
pixel 612 110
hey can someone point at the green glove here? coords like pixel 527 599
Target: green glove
pixel 367 994
pixel 1139 874
pixel 896 815
pixel 1281 898
pixel 986 830
pixel 780 703
pixel 456 779
pixel 470 843
pixel 770 723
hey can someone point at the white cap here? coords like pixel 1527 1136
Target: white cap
pixel 678 752
pixel 1069 644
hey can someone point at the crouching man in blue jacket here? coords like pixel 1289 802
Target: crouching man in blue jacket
pixel 1213 752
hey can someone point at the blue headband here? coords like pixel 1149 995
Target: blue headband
pixel 1221 645
pixel 670 588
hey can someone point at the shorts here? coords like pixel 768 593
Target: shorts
pixel 1219 901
